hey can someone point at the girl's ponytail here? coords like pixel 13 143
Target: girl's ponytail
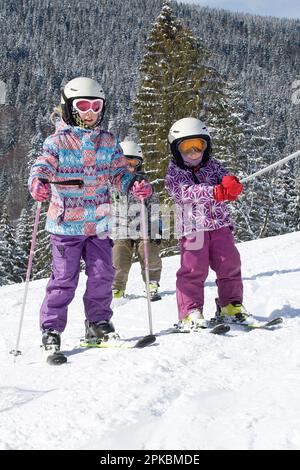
pixel 56 114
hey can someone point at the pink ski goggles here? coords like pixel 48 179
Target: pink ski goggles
pixel 83 105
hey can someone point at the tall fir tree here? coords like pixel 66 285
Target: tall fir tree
pixel 36 146
pixel 285 210
pixel 7 248
pixel 42 255
pixel 240 143
pixel 23 239
pixel 252 211
pixel 5 180
pixel 173 73
pixel 224 115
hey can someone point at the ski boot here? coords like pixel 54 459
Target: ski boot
pixel 234 312
pixel 97 332
pixel 118 293
pixel 51 347
pixel 50 341
pixel 193 321
pixel 153 289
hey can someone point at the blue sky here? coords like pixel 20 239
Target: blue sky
pixel 279 8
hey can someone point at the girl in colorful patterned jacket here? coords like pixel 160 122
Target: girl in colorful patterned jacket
pixel 87 161
pixel 200 187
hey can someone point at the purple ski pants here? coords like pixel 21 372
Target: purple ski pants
pixel 67 252
pixel 218 252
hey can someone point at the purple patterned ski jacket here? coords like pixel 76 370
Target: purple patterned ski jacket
pixel 192 191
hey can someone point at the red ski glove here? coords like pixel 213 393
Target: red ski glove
pixel 40 191
pixel 228 190
pixel 141 189
pixel 232 184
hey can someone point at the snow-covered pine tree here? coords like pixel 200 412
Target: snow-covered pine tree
pixel 252 210
pixel 4 185
pixel 23 242
pixel 173 72
pixel 241 144
pixel 297 215
pixel 42 256
pixel 224 114
pixel 285 210
pixel 7 248
pixel 36 146
pixel 270 204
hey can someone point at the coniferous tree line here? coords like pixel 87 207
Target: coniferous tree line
pixel 158 62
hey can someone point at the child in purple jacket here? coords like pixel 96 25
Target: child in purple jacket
pixel 200 186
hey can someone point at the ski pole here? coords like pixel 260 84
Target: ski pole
pixel 270 167
pixel 16 351
pixel 145 242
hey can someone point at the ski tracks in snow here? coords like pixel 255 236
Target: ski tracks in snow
pixel 192 391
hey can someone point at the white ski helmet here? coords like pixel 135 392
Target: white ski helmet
pixel 188 128
pixel 80 87
pixel 132 150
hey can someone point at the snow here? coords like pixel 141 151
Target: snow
pixel 194 391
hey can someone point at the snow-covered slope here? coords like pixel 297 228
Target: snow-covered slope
pixel 195 391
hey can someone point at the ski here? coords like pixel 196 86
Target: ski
pixel 250 322
pixel 56 359
pixel 120 343
pixel 155 297
pixel 219 329
pixel 262 325
pixel 257 325
pixel 53 355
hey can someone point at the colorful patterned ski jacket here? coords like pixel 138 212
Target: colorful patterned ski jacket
pixel 192 191
pixel 92 156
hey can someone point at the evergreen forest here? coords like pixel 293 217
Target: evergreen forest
pixel 158 61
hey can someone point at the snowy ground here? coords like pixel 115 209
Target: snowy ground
pixel 197 391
